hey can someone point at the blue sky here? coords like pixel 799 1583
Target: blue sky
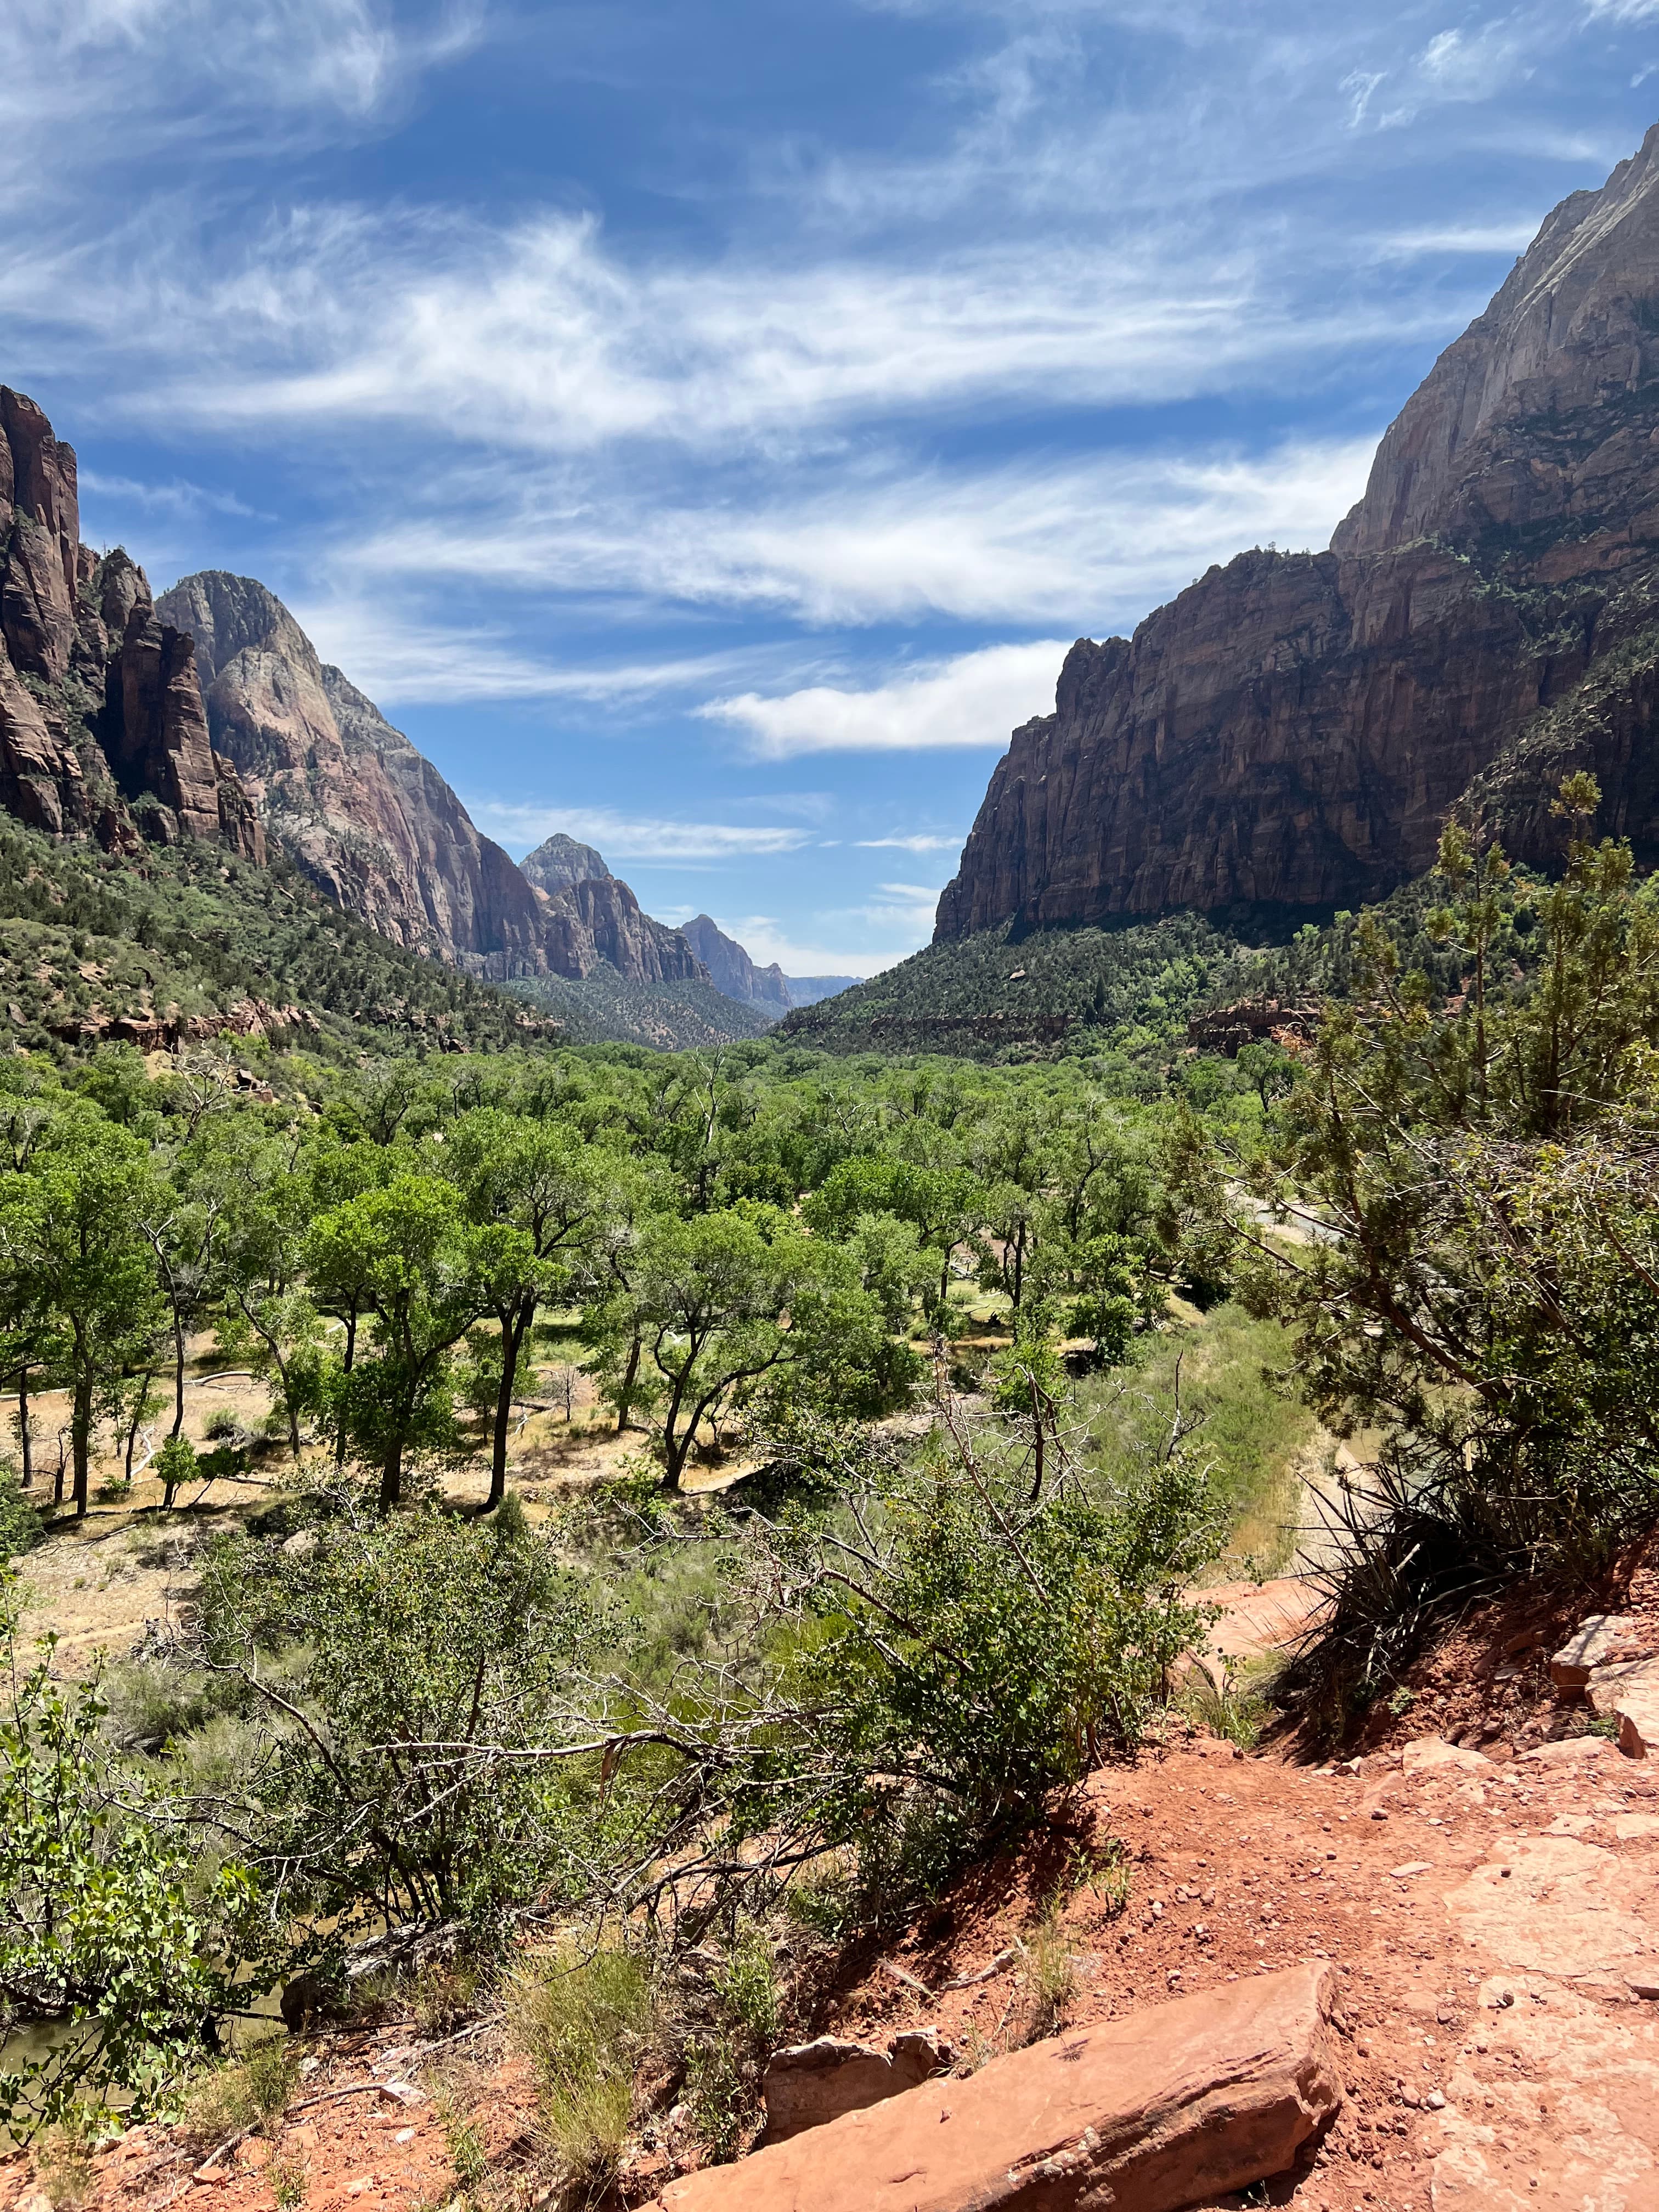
pixel 702 426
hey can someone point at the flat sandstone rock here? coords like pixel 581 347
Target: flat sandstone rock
pixel 1152 2112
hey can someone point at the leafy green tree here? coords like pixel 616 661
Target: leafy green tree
pixel 944 1205
pixel 269 1313
pixel 723 1305
pixel 426 1273
pixel 538 1179
pixel 1456 1215
pixel 73 1220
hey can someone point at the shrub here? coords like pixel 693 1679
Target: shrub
pixel 20 1526
pixel 726 2061
pixel 951 1648
pixel 583 2023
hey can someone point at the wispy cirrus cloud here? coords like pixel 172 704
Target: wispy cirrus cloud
pixel 973 700
pixel 924 843
pixel 619 836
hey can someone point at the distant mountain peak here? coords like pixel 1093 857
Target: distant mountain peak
pixel 559 861
pixel 732 971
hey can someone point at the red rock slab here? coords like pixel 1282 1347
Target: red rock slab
pixel 1151 2112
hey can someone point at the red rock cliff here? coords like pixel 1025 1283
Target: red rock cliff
pixel 102 727
pixel 1291 731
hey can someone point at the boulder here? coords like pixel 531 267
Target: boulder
pixel 814 2082
pixel 1592 1644
pixel 1430 1753
pixel 1629 1694
pixel 1162 2109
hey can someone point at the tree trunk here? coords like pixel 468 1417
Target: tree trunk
pixel 81 1437
pixel 391 1475
pixel 513 1329
pixel 625 1396
pixel 351 1354
pixel 177 1373
pixel 23 1426
pixel 138 1405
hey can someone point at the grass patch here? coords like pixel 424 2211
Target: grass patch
pixel 583 2024
pixel 1254 1429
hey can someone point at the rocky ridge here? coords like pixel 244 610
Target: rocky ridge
pixel 374 826
pixel 1291 732
pixel 732 971
pixel 103 729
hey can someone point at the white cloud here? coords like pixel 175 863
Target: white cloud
pixel 1622 11
pixel 1086 540
pixel 924 844
pixel 621 836
pixel 1462 65
pixel 1460 238
pixel 974 700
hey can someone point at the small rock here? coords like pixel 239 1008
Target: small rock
pixel 403 2092
pixel 1644 1984
pixel 1377 1813
pixel 1411 1866
pixel 1430 1752
pixel 1435 2101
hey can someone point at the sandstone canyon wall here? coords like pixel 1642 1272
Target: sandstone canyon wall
pixel 102 725
pixel 1291 732
pixel 370 820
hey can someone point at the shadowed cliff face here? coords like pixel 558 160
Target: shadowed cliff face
pixel 102 727
pixel 1292 731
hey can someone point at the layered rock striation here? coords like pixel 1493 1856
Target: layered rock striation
pixel 1291 732
pixel 102 724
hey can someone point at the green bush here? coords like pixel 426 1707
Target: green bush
pixel 20 1526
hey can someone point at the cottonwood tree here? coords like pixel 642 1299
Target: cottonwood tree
pixel 539 1180
pixel 722 1304
pixel 73 1221
pixel 426 1273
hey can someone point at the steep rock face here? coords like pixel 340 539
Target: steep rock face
pixel 1290 732
pixel 599 919
pixel 371 822
pixel 374 825
pixel 732 971
pixel 591 916
pixel 559 861
pixel 98 699
pixel 41 536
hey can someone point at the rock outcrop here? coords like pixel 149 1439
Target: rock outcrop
pixel 732 971
pixel 559 861
pixel 102 726
pixel 599 919
pixel 1169 2107
pixel 377 829
pixel 1291 732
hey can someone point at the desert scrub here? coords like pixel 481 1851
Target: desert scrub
pixel 1049 1974
pixel 726 2059
pixel 1227 1698
pixel 251 2092
pixel 583 2023
pixel 64 2164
